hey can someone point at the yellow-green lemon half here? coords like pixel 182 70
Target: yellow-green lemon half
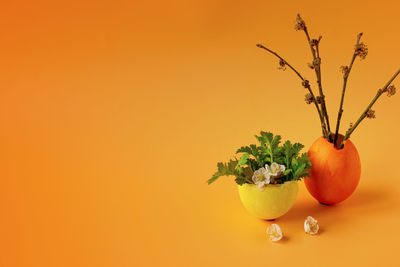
pixel 272 202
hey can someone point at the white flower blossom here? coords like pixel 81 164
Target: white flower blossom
pixel 311 226
pixel 261 177
pixel 276 169
pixel 264 175
pixel 274 232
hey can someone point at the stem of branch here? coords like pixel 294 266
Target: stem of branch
pixel 364 114
pixel 319 80
pixel 345 77
pixel 278 56
pixel 317 67
pixel 304 81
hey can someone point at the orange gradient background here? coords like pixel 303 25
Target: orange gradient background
pixel 114 113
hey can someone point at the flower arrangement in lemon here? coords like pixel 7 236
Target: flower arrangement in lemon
pixel 269 162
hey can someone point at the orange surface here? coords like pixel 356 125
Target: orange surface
pixel 114 113
pixel 335 173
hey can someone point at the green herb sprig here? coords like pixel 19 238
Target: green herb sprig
pixel 269 150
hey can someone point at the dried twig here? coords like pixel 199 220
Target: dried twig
pixel 346 71
pixel 301 25
pixel 360 50
pixel 366 111
pixel 305 83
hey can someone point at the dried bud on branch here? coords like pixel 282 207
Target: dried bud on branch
pixel 282 65
pixel 344 69
pixel 309 98
pixel 310 65
pixel 391 90
pixel 314 42
pixel 306 84
pixel 300 24
pixel 371 114
pixel 316 62
pixel 319 99
pixel 361 50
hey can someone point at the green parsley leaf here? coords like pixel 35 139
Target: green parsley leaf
pixel 268 151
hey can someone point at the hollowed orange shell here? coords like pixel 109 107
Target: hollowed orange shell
pixel 335 173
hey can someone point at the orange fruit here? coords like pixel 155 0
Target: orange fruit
pixel 335 173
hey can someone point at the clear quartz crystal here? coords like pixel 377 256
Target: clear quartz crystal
pixel 274 232
pixel 311 226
